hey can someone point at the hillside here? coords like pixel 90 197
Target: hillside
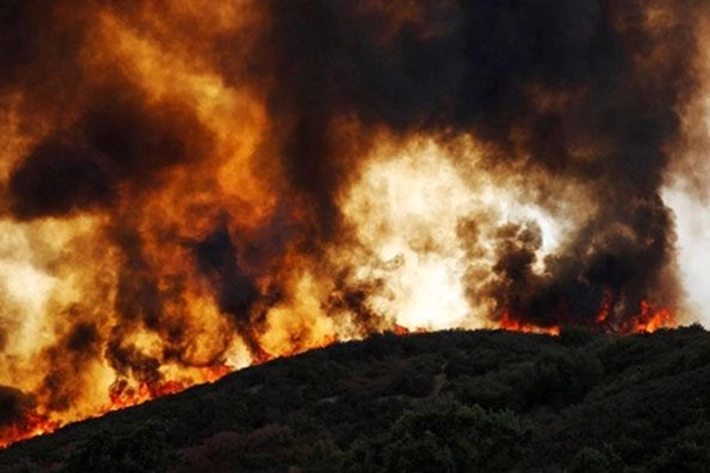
pixel 446 401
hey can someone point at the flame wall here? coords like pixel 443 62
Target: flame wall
pixel 190 187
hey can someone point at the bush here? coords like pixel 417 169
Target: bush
pixel 486 391
pixel 143 451
pixel 685 456
pixel 562 377
pixel 577 336
pixel 444 437
pixel 591 460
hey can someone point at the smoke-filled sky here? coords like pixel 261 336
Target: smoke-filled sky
pixel 190 187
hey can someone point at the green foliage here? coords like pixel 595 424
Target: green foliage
pixel 560 378
pixel 144 450
pixel 444 437
pixel 424 453
pixel 487 391
pixel 416 378
pixel 26 466
pixel 320 455
pixel 687 451
pixel 591 460
pixel 577 336
pixel 688 457
pixel 555 377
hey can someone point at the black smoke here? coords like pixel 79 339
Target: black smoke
pixel 59 178
pixel 236 294
pixel 14 405
pixel 492 69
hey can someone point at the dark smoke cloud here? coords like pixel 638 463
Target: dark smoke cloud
pixel 40 49
pixel 422 66
pixel 625 247
pixel 59 178
pixel 236 294
pixel 140 138
pixel 330 61
pixel 489 69
pixel 130 362
pixel 485 68
pixel 31 37
pixel 14 405
pixel 121 138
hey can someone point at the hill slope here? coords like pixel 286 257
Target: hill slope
pixel 447 401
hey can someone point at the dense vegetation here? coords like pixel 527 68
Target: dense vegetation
pixel 440 402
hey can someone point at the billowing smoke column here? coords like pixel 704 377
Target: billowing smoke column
pixel 191 187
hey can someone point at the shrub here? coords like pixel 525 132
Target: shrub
pixel 143 451
pixel 591 460
pixel 444 437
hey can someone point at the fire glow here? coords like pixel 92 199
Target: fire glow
pixel 201 188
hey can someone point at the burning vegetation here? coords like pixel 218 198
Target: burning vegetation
pixel 190 188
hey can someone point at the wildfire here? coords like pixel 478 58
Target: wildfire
pixel 32 425
pixel 123 394
pixel 509 323
pixel 187 190
pixel 651 319
pixel 648 320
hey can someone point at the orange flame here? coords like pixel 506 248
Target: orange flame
pixel 648 320
pixel 651 319
pixel 32 425
pixel 605 310
pixel 507 322
pixel 123 394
